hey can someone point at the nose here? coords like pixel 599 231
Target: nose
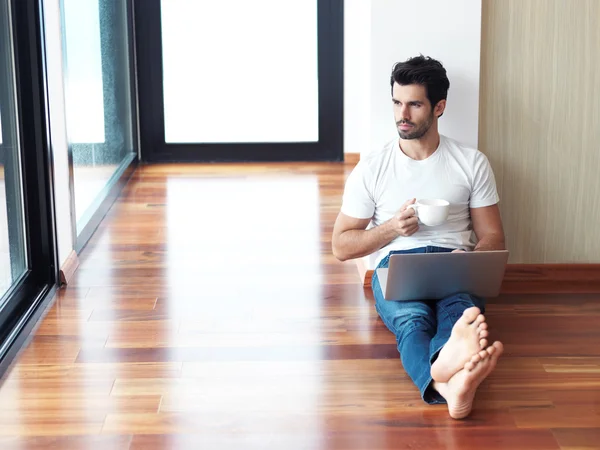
pixel 404 113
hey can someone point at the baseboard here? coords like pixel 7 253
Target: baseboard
pixel 533 278
pixel 551 279
pixel 351 158
pixel 68 268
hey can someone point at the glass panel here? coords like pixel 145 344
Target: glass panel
pixel 13 261
pixel 248 76
pixel 98 97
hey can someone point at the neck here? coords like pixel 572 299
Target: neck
pixel 423 147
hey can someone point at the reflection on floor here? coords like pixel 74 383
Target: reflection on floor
pixel 88 183
pixel 209 313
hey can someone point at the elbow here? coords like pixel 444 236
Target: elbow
pixel 340 256
pixel 500 241
pixel 337 251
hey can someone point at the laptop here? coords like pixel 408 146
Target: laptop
pixel 433 276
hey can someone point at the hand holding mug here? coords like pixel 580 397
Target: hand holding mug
pixel 405 222
pixel 431 212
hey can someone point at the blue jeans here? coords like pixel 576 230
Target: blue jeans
pixel 421 327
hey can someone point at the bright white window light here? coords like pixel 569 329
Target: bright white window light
pixel 240 71
pixel 84 95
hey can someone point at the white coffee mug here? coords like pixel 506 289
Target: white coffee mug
pixel 431 212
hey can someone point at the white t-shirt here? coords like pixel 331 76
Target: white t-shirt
pixel 384 180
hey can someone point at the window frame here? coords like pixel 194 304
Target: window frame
pixel 329 147
pixel 28 297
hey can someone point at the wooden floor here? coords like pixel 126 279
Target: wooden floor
pixel 208 313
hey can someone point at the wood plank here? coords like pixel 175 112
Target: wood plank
pixel 552 279
pixel 577 438
pixel 88 442
pixel 295 423
pixel 79 406
pixel 99 372
pixel 273 353
pixel 577 416
pixel 447 438
pixel 38 352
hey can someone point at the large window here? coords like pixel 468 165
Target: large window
pixel 98 100
pixel 13 262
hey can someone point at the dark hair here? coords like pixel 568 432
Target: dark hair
pixel 425 71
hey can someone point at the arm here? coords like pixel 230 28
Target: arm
pixel 351 239
pixel 487 225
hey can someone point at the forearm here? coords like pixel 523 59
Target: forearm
pixel 358 243
pixel 492 241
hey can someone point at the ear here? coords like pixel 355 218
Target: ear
pixel 439 108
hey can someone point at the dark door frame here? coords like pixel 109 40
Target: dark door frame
pixel 31 293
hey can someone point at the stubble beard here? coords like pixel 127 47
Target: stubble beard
pixel 417 133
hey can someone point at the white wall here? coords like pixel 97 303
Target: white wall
pixel 58 131
pixel 380 33
pixel 357 75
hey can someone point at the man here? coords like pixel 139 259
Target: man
pixel 442 343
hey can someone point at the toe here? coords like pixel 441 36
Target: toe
pixel 482 326
pixel 469 366
pixel 499 348
pixel 479 320
pixel 483 343
pixel 470 314
pixel 475 358
pixel 490 350
pixel 484 333
pixel 483 354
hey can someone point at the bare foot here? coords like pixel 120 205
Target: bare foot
pixel 467 338
pixel 459 392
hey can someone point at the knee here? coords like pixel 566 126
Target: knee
pixel 415 320
pixel 466 299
